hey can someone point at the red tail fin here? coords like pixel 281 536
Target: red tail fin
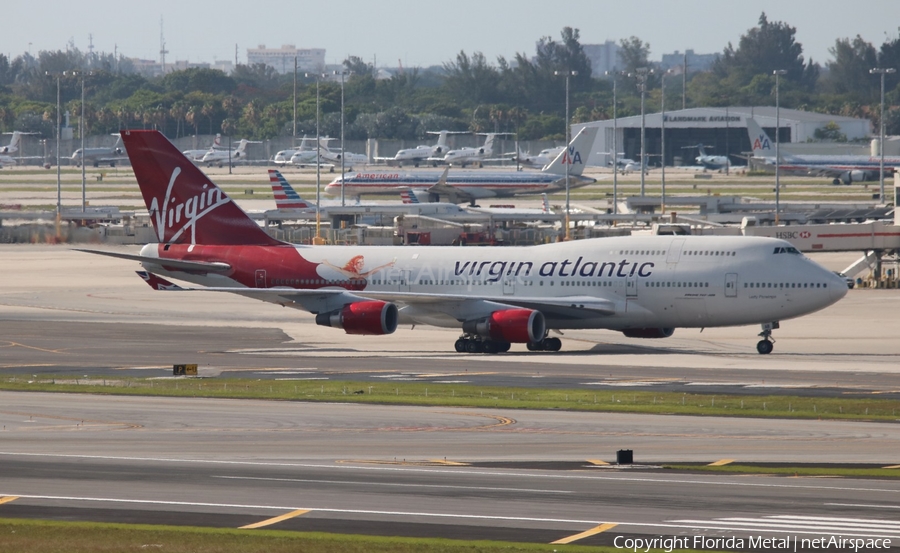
pixel 185 206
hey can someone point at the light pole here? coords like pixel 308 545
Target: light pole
pixel 567 158
pixel 58 129
pixel 318 162
pixel 83 152
pixel 342 72
pixel 777 73
pixel 642 73
pixel 615 152
pixel 662 145
pixel 882 71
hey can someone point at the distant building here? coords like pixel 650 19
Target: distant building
pixel 604 57
pixel 695 62
pixel 282 59
pixel 152 68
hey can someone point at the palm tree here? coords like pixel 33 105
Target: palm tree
pixel 190 117
pixel 178 111
pixel 207 110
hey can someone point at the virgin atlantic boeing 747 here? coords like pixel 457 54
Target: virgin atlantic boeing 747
pixel 642 286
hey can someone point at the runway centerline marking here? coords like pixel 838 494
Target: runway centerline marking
pixel 705 525
pixel 468 472
pixel 8 498
pixel 441 486
pixel 587 533
pixel 274 520
pixel 869 506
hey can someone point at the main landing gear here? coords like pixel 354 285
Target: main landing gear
pixel 468 344
pixel 767 344
pixel 476 344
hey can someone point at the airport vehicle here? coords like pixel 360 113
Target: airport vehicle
pixel 221 157
pixel 709 161
pixel 470 186
pixel 96 156
pixel 462 156
pixel 642 286
pixel 844 169
pixel 197 155
pixel 421 153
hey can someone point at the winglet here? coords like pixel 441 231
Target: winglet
pixel 157 282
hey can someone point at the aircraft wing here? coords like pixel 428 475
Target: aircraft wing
pixel 325 299
pixel 201 266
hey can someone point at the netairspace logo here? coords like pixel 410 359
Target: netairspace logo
pixel 756 543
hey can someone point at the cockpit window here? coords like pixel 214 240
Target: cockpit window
pixel 789 249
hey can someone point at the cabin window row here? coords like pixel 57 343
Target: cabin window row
pixel 676 284
pixel 785 285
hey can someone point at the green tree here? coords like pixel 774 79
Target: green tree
pixel 848 73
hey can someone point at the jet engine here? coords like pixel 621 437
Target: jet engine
pixel 848 177
pixel 362 317
pixel 510 325
pixel 648 332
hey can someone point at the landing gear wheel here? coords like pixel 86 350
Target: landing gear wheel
pixel 552 344
pixel 473 346
pixel 766 345
pixel 489 346
pixel 534 346
pixel 460 345
pixel 503 347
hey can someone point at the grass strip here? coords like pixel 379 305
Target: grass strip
pixel 461 395
pixel 792 470
pixel 32 536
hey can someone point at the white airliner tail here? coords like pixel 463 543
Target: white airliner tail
pixel 575 155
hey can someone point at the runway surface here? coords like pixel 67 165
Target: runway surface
pixel 417 471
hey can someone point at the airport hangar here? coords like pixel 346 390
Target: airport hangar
pixel 722 130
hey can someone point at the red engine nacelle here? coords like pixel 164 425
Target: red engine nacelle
pixel 362 317
pixel 510 325
pixel 649 332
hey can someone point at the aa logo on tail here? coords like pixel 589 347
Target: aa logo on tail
pixel 762 143
pixel 572 156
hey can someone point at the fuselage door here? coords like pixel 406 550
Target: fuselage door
pixel 675 250
pixel 260 278
pixel 509 285
pixel 731 285
pixel 403 280
pixel 631 286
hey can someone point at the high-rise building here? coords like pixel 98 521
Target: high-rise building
pixel 282 59
pixel 604 57
pixel 695 62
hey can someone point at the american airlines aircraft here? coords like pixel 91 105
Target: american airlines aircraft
pixel 642 286
pixel 474 185
pixel 841 168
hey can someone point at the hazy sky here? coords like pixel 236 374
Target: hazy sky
pixel 423 32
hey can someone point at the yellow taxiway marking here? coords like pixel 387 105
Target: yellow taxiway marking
pixel 8 498
pixel 448 463
pixel 269 521
pixel 588 533
pixel 721 463
pixel 597 462
pixel 892 467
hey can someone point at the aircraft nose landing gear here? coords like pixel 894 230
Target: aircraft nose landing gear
pixel 766 345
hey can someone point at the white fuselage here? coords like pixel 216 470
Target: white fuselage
pixel 644 282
